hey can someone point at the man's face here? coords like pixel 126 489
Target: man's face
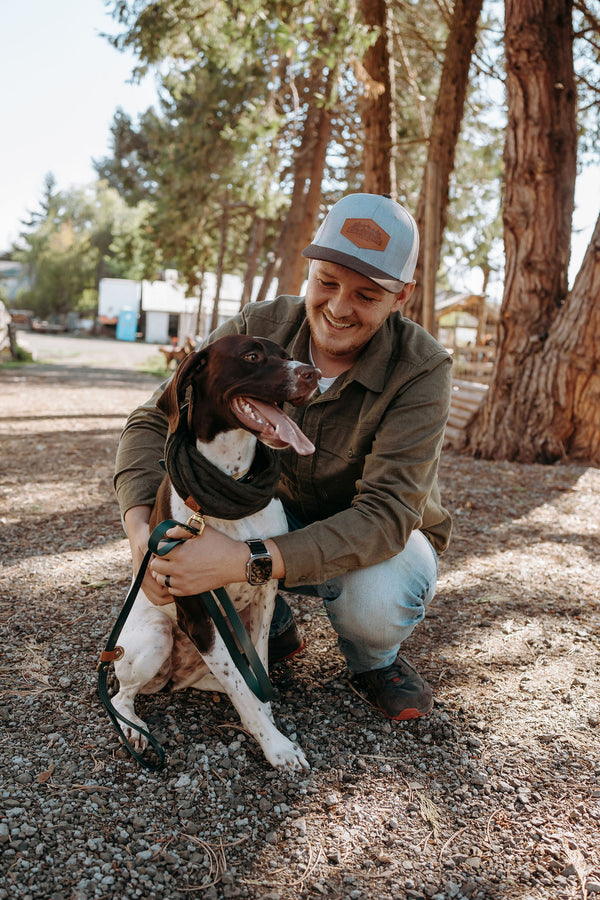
pixel 345 309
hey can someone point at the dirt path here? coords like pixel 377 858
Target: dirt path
pixel 495 795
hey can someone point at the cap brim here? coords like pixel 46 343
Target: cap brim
pixel 313 251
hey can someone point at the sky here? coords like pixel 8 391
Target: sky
pixel 60 85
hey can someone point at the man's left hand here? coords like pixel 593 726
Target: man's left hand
pixel 201 563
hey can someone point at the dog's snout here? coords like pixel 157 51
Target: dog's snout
pixel 310 374
pixel 304 382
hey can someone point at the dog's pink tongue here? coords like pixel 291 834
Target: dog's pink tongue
pixel 286 429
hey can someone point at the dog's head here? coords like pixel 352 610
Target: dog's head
pixel 240 382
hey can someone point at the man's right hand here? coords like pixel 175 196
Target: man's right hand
pixel 137 525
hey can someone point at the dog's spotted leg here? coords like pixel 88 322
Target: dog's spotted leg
pixel 255 715
pixel 147 640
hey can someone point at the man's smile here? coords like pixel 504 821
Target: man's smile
pixel 334 322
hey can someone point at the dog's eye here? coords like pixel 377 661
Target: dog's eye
pixel 251 356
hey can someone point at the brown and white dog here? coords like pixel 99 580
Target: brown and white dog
pixel 234 387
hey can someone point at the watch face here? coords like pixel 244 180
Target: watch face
pixel 260 569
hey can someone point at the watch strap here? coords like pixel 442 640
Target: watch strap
pixel 257 547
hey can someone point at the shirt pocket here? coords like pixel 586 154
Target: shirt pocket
pixel 341 458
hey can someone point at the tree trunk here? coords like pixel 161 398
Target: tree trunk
pixel 376 105
pixel 444 132
pixel 300 224
pixel 220 266
pixel 12 340
pixel 571 368
pixel 257 237
pixel 537 407
pixel 269 276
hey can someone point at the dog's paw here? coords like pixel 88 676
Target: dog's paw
pixel 138 741
pixel 288 756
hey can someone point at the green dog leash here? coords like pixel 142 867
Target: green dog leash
pixel 221 610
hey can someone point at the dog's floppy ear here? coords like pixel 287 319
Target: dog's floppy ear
pixel 175 392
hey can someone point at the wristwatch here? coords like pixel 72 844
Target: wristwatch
pixel 259 568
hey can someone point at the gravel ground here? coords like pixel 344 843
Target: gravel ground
pixel 496 794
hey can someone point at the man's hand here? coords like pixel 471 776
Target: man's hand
pixel 200 564
pixel 138 531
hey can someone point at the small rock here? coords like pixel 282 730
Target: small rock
pixel 300 825
pixel 479 778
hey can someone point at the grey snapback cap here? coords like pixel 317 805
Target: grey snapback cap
pixel 370 234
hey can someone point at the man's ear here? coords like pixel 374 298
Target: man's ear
pixel 403 297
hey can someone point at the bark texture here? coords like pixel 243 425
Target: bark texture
pixel 300 224
pixel 376 103
pixel 550 408
pixel 543 401
pixel 445 129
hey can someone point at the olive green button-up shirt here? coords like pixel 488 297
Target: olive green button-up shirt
pixel 378 433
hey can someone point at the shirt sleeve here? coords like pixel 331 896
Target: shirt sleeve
pixel 138 473
pixel 396 493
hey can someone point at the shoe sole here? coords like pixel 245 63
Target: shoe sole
pixel 408 714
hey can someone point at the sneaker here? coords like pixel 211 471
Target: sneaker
pixel 398 690
pixel 285 645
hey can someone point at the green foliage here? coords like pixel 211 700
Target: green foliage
pixel 75 238
pixel 22 356
pixel 155 365
pixel 87 303
pixel 237 81
pixel 127 170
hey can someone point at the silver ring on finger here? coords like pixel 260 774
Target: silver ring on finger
pixel 167 581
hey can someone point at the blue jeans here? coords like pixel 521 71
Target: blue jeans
pixel 373 610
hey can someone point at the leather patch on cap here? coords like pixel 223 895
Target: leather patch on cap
pixel 365 233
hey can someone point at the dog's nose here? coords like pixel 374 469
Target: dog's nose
pixel 310 374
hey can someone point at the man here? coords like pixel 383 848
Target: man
pixel 365 514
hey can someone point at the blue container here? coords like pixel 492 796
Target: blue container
pixel 127 325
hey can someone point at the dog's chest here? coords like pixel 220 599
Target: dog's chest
pixel 268 522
